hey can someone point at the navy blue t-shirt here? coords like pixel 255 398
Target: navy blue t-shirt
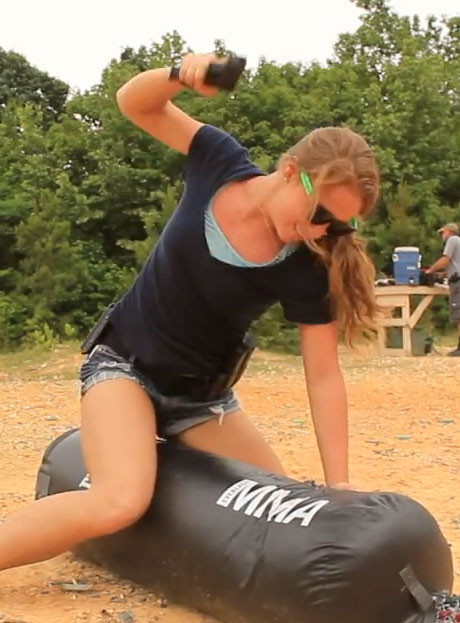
pixel 187 310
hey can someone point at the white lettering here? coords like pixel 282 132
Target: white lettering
pixel 274 500
pixel 256 497
pixel 242 495
pixel 278 514
pixel 250 494
pixel 306 513
pixel 229 494
pixel 85 483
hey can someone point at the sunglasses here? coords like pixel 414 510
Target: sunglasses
pixel 323 216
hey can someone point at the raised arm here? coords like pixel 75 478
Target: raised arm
pixel 146 100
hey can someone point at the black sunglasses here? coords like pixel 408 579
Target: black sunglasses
pixel 323 216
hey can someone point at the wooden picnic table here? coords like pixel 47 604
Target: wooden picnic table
pixel 392 297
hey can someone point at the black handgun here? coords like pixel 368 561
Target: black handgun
pixel 221 75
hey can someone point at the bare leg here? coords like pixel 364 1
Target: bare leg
pixel 456 351
pixel 118 434
pixel 236 438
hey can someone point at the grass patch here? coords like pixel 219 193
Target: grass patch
pixel 61 362
pixel 270 362
pixel 448 339
pixel 40 362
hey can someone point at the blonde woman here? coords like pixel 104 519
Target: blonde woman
pixel 166 357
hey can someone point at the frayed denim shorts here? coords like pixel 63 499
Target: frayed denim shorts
pixel 174 414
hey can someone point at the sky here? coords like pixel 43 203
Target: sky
pixel 74 41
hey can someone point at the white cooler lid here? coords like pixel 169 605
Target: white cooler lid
pixel 413 249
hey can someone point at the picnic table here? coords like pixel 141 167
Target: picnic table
pixel 393 297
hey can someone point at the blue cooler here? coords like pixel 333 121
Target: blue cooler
pixel 406 265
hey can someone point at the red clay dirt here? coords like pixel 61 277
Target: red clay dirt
pixel 405 437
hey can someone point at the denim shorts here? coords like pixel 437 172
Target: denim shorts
pixel 174 414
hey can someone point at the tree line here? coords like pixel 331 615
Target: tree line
pixel 84 194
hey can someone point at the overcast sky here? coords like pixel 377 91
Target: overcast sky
pixel 76 40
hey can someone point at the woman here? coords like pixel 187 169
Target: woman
pixel 238 242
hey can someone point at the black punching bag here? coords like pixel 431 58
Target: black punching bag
pixel 246 546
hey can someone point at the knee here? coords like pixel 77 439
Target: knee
pixel 114 509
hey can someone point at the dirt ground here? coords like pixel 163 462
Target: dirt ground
pixel 405 437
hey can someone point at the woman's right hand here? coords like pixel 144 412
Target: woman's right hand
pixel 193 71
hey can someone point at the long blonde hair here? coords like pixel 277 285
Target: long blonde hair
pixel 332 156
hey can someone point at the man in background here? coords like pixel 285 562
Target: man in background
pixel 450 261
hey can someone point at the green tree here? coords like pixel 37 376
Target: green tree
pixel 22 82
pixel 97 191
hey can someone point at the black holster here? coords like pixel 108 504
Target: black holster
pixel 232 370
pixel 95 335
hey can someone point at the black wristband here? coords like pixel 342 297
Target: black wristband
pixel 174 75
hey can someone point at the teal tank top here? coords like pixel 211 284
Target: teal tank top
pixel 221 249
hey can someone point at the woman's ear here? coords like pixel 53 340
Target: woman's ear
pixel 290 171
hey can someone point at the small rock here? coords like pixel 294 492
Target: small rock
pixel 126 616
pixel 75 587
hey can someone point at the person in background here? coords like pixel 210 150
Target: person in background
pixel 450 261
